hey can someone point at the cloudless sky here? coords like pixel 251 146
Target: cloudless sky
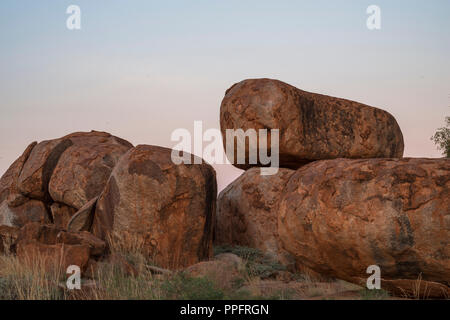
pixel 140 69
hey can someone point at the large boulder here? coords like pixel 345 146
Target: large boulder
pixel 169 208
pixel 311 126
pixel 83 168
pixel 247 213
pixel 340 216
pixel 71 170
pixel 52 179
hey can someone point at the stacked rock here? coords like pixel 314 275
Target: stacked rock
pixel 344 198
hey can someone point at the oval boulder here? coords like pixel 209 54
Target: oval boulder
pixel 311 126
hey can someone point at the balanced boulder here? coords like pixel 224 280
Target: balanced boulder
pixel 311 126
pixel 168 208
pixel 247 213
pixel 340 216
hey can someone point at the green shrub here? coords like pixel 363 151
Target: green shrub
pixel 258 263
pixel 183 287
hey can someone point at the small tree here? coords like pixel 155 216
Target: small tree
pixel 442 138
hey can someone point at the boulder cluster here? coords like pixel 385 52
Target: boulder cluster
pixel 342 200
pixel 70 197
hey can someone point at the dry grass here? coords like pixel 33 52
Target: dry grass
pixel 41 278
pixel 34 278
pixel 421 290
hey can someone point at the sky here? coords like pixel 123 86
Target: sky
pixel 141 69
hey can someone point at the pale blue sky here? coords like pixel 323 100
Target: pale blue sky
pixel 140 69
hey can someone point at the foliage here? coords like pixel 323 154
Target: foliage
pixel 258 264
pixel 442 138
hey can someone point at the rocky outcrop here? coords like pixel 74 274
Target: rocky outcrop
pixel 83 169
pixel 71 170
pixel 54 178
pixel 340 216
pixel 247 213
pixel 168 207
pixel 312 126
pixel 44 187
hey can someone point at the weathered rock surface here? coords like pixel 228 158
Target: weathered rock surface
pixel 247 213
pixel 82 220
pixel 30 211
pixel 54 178
pixel 61 214
pixel 16 209
pixel 84 167
pixel 37 170
pixel 169 207
pixel 42 233
pixel 96 245
pixel 8 183
pixel 8 238
pixel 45 243
pixel 340 216
pixel 312 126
pixel 71 170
